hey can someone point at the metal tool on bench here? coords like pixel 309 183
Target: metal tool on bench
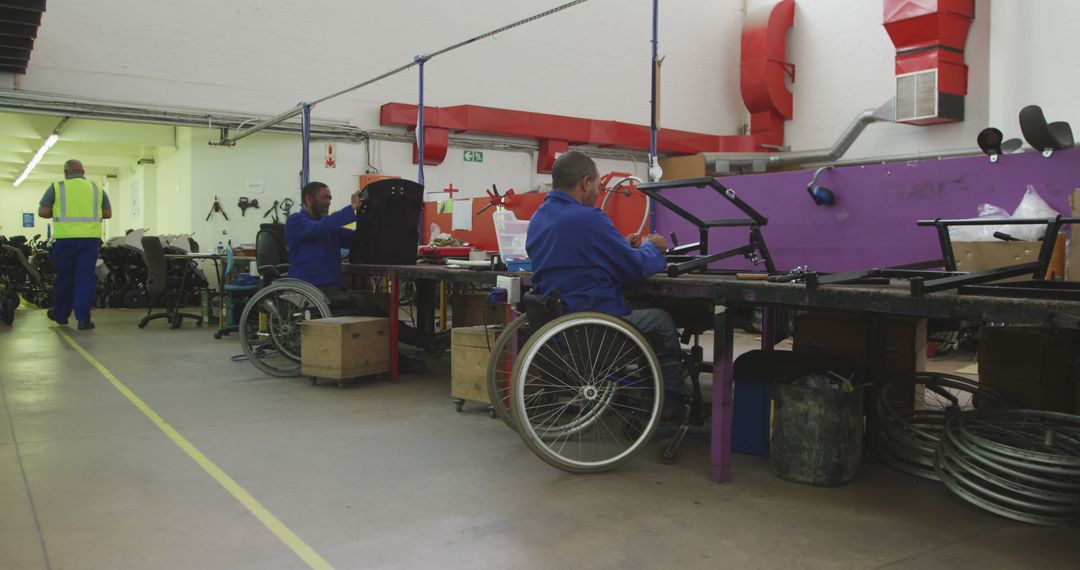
pixel 679 259
pixel 925 278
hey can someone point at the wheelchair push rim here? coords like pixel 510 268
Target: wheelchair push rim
pixel 500 367
pixel 586 392
pixel 270 325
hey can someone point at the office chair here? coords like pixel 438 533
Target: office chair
pixel 158 287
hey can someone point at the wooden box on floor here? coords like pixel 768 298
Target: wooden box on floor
pixel 341 348
pixel 468 362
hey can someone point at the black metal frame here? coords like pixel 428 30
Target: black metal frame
pixel 679 262
pixel 924 281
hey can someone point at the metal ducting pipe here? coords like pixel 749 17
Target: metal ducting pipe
pixel 744 162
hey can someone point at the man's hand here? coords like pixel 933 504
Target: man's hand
pixel 356 200
pixel 634 240
pixel 657 240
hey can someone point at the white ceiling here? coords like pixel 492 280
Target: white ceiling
pixel 104 147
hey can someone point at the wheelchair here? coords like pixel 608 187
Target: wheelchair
pixel 584 390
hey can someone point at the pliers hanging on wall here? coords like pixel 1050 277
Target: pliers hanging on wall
pixel 216 208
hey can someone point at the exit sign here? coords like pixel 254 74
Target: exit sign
pixel 474 156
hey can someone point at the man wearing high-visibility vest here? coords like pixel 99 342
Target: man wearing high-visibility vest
pixel 76 207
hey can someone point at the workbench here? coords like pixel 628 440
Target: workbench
pixel 725 292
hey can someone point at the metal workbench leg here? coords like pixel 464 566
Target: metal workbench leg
pixel 773 326
pixel 394 310
pixel 722 408
pixel 877 374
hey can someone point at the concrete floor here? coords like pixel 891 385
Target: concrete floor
pixel 382 475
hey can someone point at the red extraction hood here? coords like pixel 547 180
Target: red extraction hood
pixel 931 76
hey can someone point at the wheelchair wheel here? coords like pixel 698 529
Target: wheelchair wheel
pixel 500 365
pixel 577 383
pixel 270 324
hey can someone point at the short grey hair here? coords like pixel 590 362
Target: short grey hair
pixel 571 167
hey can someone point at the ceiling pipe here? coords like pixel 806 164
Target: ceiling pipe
pixel 747 162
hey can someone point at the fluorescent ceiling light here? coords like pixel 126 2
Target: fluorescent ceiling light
pixel 49 142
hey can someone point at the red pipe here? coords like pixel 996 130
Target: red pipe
pixel 762 77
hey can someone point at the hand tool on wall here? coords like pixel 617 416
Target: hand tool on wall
pixel 286 206
pixel 272 213
pixel 216 207
pixel 243 203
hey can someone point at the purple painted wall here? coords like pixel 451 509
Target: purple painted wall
pixel 872 223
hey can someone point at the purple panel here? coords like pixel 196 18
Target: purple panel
pixel 872 223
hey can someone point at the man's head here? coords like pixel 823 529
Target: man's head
pixel 73 168
pixel 576 174
pixel 316 197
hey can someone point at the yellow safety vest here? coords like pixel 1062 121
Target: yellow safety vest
pixel 77 209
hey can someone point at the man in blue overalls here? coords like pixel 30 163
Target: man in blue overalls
pixel 576 250
pixel 77 229
pixel 315 238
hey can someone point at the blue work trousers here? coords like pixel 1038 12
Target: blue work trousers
pixel 658 326
pixel 76 282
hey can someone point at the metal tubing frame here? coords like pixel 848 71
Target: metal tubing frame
pixel 756 249
pixel 970 283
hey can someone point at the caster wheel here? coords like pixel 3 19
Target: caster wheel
pixel 458 405
pixel 142 325
pixel 664 457
pixel 314 381
pixel 491 413
pixel 217 335
pixel 198 323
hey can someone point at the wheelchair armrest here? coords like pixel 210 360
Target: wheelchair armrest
pixel 273 270
pixel 542 309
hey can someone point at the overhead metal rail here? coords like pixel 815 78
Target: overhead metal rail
pixel 299 108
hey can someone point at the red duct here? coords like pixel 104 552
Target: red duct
pixel 763 70
pixel 762 78
pixel 931 34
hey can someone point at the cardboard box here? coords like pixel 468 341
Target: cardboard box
pixel 983 255
pixel 474 309
pixel 345 347
pixel 1035 368
pixel 469 353
pixel 1072 266
pixel 679 167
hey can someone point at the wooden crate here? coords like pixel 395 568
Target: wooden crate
pixel 474 309
pixel 345 347
pixel 468 362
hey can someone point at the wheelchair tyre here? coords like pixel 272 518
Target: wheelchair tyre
pixel 270 324
pixel 7 309
pixel 500 365
pixel 577 383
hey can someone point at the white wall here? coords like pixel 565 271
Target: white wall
pixel 1033 62
pixel 16 201
pixel 263 56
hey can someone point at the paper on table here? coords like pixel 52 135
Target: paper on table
pixel 462 215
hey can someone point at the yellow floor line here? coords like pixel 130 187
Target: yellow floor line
pixel 271 522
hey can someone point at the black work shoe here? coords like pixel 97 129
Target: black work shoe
pixel 88 325
pixel 52 317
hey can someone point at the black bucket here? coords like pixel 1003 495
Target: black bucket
pixel 817 433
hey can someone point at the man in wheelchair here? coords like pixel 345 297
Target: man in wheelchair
pixel 315 238
pixel 576 250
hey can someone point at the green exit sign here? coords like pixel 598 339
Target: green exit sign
pixel 474 156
